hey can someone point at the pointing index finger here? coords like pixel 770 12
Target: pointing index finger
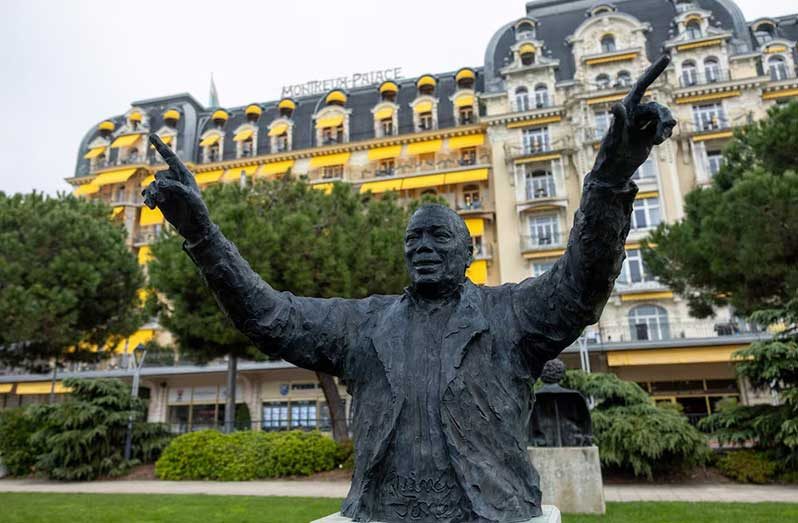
pixel 649 76
pixel 169 156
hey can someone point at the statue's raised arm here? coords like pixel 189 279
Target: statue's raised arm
pixel 556 307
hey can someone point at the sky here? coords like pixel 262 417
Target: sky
pixel 65 66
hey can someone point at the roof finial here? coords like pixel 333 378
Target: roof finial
pixel 213 99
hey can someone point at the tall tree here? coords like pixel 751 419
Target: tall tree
pixel 298 239
pixel 68 283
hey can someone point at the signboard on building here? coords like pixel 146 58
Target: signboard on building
pixel 352 81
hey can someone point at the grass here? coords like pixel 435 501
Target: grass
pixel 112 508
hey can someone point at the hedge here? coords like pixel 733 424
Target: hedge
pixel 243 456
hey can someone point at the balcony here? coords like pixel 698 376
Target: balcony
pixel 130 198
pixel 711 122
pixel 526 104
pixel 542 242
pixel 779 73
pixel 672 331
pixel 692 78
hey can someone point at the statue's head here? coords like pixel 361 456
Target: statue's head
pixel 438 250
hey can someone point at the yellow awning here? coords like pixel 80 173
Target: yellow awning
pixel 278 129
pixel 772 95
pixel 140 336
pixel 116 211
pixel 144 255
pixel 610 59
pixel 330 159
pixel 5 388
pixel 106 126
pixel 526 49
pixel 126 140
pixel 41 387
pixel 382 153
pixel 459 142
pixel 326 187
pixel 430 146
pixel 708 97
pixel 234 174
pixel 384 113
pixel 209 177
pixel 389 87
pixel 167 139
pixel 336 96
pixel 417 182
pixel 171 114
pixel 382 186
pixel 423 107
pixel 716 354
pixel 478 272
pixel 246 134
pixel 150 216
pixel 464 100
pixel 116 176
pixel 476 226
pixel 647 296
pixel 276 168
pixel 210 140
pixel 148 180
pixel 87 189
pixel 135 116
pixel 425 81
pixel 94 152
pixel 220 115
pixel 464 73
pixel 472 175
pixel 330 121
pixel 286 103
pixel 253 109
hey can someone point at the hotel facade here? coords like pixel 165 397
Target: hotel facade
pixel 507 143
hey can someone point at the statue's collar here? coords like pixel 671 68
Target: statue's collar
pixel 453 297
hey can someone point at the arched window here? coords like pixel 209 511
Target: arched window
pixel 525 31
pixel 693 29
pixel 603 81
pixel 764 33
pixel 521 99
pixel 689 73
pixel 712 69
pixel 649 322
pixel 608 44
pixel 777 67
pixel 541 96
pixel 624 79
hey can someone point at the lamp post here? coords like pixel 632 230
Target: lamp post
pixel 139 353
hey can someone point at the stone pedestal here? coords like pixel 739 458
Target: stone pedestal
pixel 570 478
pixel 550 515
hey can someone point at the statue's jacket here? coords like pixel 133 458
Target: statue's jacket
pixel 495 343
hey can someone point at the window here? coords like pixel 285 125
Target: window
pixel 536 140
pixel 386 127
pixel 714 162
pixel 624 79
pixel 303 414
pixel 539 269
pixel 471 197
pixel 521 99
pixel 386 167
pixel 693 30
pixel 647 171
pixel 466 115
pixel 544 230
pixel 712 70
pixel 645 214
pixel 332 135
pixel 689 73
pixel 603 119
pixel 764 33
pixel 649 322
pixel 468 156
pixel 280 143
pixel 425 121
pixel 608 44
pixel 275 415
pixel 525 31
pixel 332 171
pixel 132 155
pixel 709 117
pixel 476 244
pixel 603 81
pixel 541 96
pixel 247 148
pixel 539 184
pixel 528 58
pixel 777 67
pixel 213 153
pixel 682 6
pixel 634 271
pixel 120 194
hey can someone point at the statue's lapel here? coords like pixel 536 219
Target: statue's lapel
pixel 466 322
pixel 389 341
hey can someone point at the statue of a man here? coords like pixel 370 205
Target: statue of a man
pixel 440 375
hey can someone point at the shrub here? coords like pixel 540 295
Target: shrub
pixel 748 466
pixel 634 434
pixel 345 457
pixel 83 438
pixel 17 452
pixel 242 456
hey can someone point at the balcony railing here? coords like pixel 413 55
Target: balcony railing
pixel 542 241
pixel 710 76
pixel 540 189
pixel 666 329
pixel 521 105
pixel 780 73
pixel 475 205
pixel 535 147
pixel 716 122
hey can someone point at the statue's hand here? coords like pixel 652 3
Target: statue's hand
pixel 176 194
pixel 636 128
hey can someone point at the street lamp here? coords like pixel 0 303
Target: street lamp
pixel 139 353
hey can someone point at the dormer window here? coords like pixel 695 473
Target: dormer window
pixel 211 147
pixel 689 73
pixel 466 115
pixel 286 107
pixel 336 97
pixel 280 143
pixel 247 148
pixel 213 153
pixel 527 54
pixel 425 121
pixel 693 29
pixel 777 66
pixel 521 99
pixel 171 117
pixel 253 112
pixel 388 91
pixel 608 44
pixel 134 120
pixel 764 32
pixel 426 85
pixel 541 96
pixel 330 128
pixel 683 6
pixel 712 69
pixel 332 135
pixel 525 30
pixel 465 78
pixel 219 117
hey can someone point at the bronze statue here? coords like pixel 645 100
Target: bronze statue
pixel 560 417
pixel 439 375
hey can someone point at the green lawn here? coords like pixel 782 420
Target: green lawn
pixel 111 508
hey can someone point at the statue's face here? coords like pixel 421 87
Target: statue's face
pixel 436 252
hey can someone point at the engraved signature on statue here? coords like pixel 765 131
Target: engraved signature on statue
pixel 416 499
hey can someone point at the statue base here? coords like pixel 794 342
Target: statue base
pixel 551 514
pixel 570 478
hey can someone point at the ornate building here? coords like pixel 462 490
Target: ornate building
pixel 507 144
